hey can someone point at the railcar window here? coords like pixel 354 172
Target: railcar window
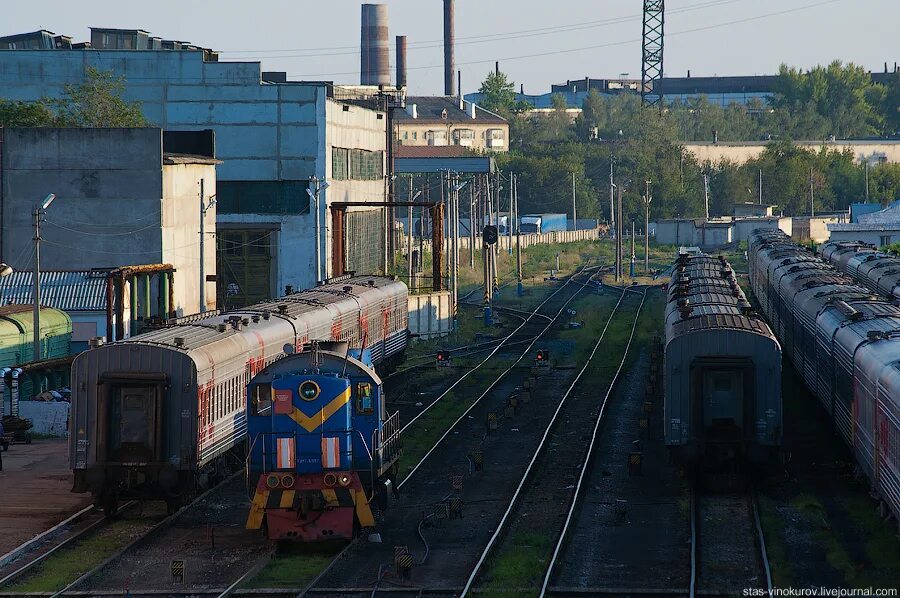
pixel 365 402
pixel 261 403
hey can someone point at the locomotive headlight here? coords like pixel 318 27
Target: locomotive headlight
pixel 330 479
pixel 309 391
pixel 272 481
pixel 344 479
pixel 287 481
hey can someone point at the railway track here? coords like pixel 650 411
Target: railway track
pixel 728 548
pixel 562 460
pixel 313 588
pixel 24 559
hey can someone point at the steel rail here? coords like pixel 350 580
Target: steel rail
pixel 25 546
pixel 576 493
pixel 490 387
pixel 64 543
pixel 526 477
pixel 494 352
pixel 164 524
pixel 764 555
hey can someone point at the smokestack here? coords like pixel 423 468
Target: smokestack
pixel 401 61
pixel 375 61
pixel 449 44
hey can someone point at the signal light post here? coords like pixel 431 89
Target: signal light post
pixel 489 237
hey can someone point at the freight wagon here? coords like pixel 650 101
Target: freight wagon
pixel 161 414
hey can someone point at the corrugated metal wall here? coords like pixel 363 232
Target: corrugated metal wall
pixel 364 241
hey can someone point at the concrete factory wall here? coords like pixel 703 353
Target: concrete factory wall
pixel 741 152
pixel 101 176
pixel 50 418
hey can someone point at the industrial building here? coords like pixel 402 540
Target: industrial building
pixel 742 89
pixel 877 228
pixel 276 139
pixel 443 121
pixel 122 204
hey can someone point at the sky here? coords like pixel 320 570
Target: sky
pixel 538 42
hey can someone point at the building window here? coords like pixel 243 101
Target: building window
pixel 405 134
pixel 340 164
pixel 365 165
pixel 465 137
pixel 415 135
pixel 262 197
pixel 885 240
pixel 436 137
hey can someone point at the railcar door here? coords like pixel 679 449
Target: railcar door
pixel 133 424
pixel 723 403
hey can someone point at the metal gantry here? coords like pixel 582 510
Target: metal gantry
pixel 652 52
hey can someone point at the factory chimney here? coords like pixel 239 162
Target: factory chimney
pixel 401 61
pixel 449 43
pixel 375 61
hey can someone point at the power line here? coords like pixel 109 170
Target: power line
pixel 477 39
pixel 611 44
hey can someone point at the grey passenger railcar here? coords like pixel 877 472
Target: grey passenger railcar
pixel 871 268
pixel 845 341
pixel 722 369
pixel 156 415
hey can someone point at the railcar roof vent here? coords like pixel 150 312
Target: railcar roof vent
pixel 683 303
pixel 245 321
pixel 745 306
pixel 222 327
pixel 847 309
pixel 347 289
pixel 179 341
pixel 255 318
pixel 266 316
pixel 96 341
pixel 875 335
pixel 282 308
pixel 371 283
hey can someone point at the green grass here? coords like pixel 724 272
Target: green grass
pixel 67 565
pixel 519 566
pixel 292 567
pixel 779 562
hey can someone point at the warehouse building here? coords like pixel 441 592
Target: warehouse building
pixel 278 141
pixel 122 204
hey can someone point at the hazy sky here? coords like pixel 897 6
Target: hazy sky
pixel 538 42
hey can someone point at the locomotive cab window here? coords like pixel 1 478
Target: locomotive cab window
pixel 261 399
pixel 365 400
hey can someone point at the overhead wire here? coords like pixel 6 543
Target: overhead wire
pixel 607 44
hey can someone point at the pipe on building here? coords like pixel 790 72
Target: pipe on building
pixel 401 61
pixel 375 61
pixel 110 302
pixel 14 393
pixel 449 46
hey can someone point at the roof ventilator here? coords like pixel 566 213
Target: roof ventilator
pixel 222 327
pixel 179 341
pixel 282 308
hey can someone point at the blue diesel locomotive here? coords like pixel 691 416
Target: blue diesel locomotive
pixel 322 447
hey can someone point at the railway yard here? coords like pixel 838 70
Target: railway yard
pixel 517 478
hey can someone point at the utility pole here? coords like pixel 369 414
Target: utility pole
pixel 706 194
pixel 647 199
pixel 519 289
pixel 867 179
pixel 409 227
pixel 574 215
pixel 760 186
pixel 38 214
pixel 203 209
pixel 512 179
pixel 632 249
pixel 472 199
pixel 812 203
pixel 612 187
pixel 620 271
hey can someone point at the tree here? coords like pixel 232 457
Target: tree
pixel 498 94
pixel 25 114
pixel 97 102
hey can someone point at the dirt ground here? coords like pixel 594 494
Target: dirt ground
pixel 35 492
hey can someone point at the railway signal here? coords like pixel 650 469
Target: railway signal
pixel 542 359
pixel 443 359
pixel 490 234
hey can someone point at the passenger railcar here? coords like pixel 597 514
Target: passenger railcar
pixel 322 446
pixel 722 369
pixel 869 267
pixel 156 415
pixel 845 341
